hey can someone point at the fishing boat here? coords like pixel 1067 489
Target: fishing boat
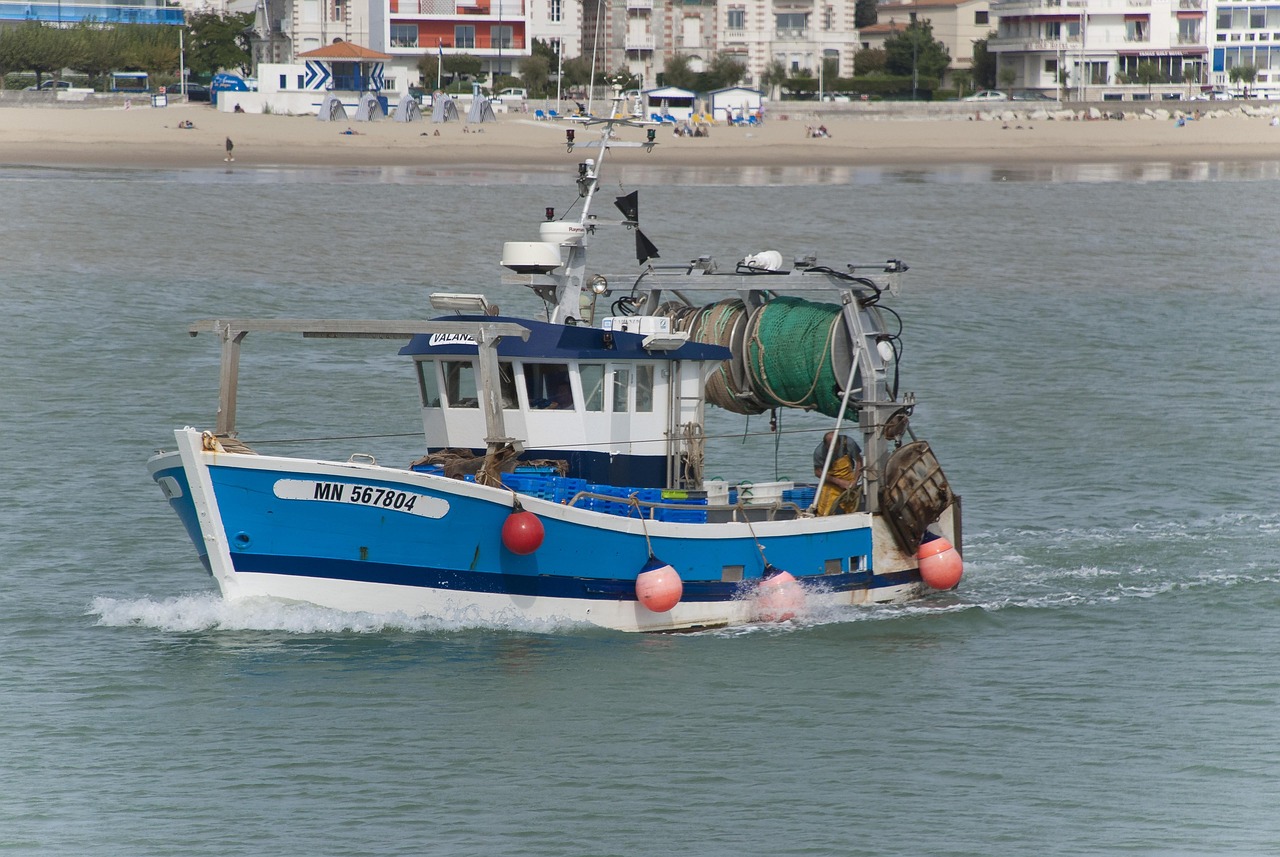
pixel 562 476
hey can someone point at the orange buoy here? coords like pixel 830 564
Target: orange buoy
pixel 940 565
pixel 522 531
pixel 658 586
pixel 779 597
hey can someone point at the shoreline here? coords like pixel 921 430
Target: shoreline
pixel 150 138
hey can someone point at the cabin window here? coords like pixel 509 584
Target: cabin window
pixel 507 385
pixel 621 385
pixel 592 375
pixel 548 386
pixel 428 386
pixel 832 566
pixel 644 388
pixel 460 384
pixel 731 573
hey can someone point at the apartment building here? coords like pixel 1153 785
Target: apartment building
pixel 1093 49
pixel 1246 34
pixel 797 33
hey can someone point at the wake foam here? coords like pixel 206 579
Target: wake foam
pixel 210 612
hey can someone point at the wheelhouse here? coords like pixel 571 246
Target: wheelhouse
pixel 617 407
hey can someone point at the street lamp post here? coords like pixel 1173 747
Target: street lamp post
pixel 915 69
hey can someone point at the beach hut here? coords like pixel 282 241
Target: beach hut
pixel 370 108
pixel 481 111
pixel 734 102
pixel 331 109
pixel 348 70
pixel 408 110
pixel 446 110
pixel 670 101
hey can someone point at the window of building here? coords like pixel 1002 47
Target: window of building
pixel 1052 30
pixel 1050 66
pixel 500 35
pixel 737 19
pixel 1257 19
pixel 980 17
pixel 1096 72
pixel 464 36
pixel 691 31
pixel 404 35
pixel 1273 18
pixel 792 24
pixel 1224 19
pixel 555 11
pixel 1137 29
pixel 1189 31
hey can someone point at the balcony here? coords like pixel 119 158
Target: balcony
pixel 1190 5
pixel 1022 8
pixel 641 42
pixel 1017 43
pixel 639 5
pixel 792 34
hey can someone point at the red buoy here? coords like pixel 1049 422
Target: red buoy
pixel 522 532
pixel 658 586
pixel 779 597
pixel 940 566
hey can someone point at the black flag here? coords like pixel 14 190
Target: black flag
pixel 645 249
pixel 629 205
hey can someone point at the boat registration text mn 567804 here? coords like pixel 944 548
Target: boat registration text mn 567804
pixel 391 499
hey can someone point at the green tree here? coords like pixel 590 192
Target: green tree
pixel 866 13
pixel 678 73
pixel 462 66
pixel 218 42
pixel 100 50
pixel 44 50
pixel 868 61
pixel 773 76
pixel 983 67
pixel 1244 73
pixel 914 51
pixel 577 71
pixel 535 74
pixel 725 70
pixel 1148 73
pixel 149 48
pixel 1008 75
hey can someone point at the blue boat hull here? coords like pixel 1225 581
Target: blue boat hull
pixel 359 536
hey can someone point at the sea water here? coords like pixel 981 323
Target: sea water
pixel 1093 350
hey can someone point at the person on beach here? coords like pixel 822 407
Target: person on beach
pixel 840 492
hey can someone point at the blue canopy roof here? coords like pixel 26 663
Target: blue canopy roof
pixel 559 342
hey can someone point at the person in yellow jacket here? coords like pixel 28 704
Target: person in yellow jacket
pixel 841 492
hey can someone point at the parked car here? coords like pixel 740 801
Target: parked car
pixel 514 92
pixel 50 86
pixel 987 95
pixel 1032 95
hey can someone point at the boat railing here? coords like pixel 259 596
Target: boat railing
pixel 686 512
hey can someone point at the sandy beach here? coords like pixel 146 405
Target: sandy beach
pixel 146 137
